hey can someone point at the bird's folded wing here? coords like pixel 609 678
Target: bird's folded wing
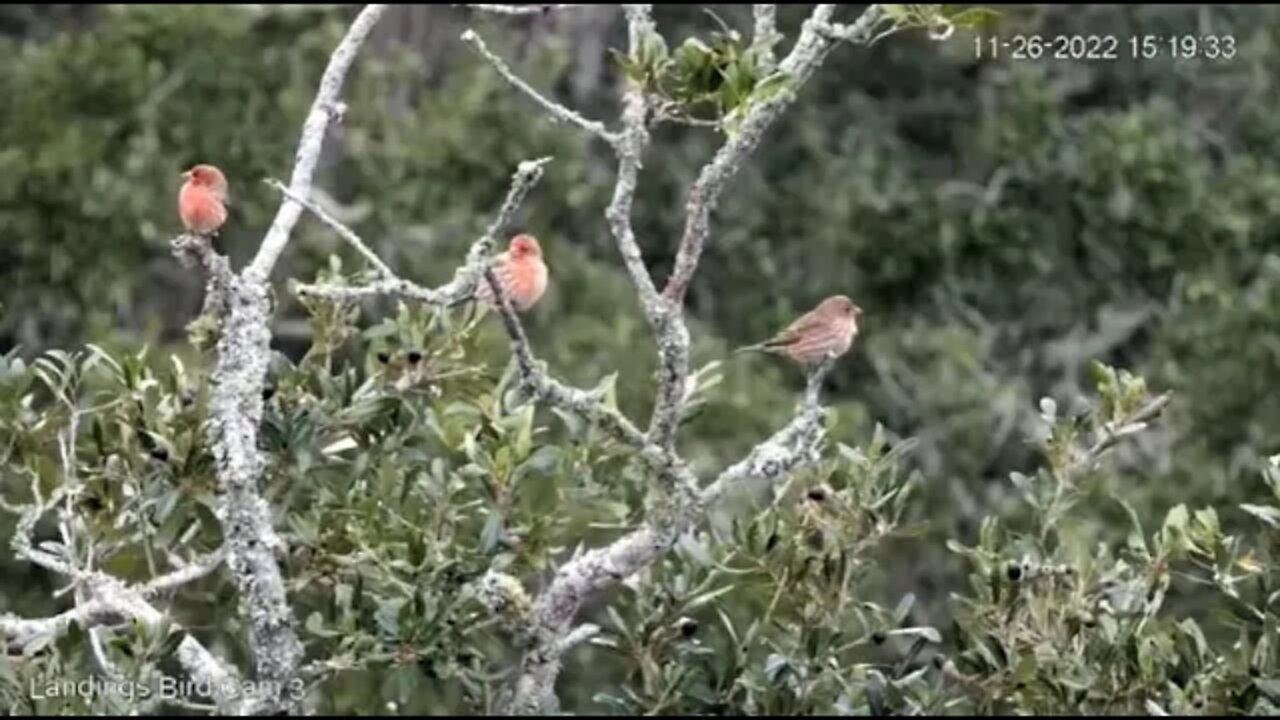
pixel 502 271
pixel 806 324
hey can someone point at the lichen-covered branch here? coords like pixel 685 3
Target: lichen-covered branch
pixel 765 35
pixel 243 352
pixel 202 567
pixel 105 600
pixel 542 387
pixel 110 602
pixel 195 251
pixel 632 142
pixel 673 345
pixel 100 599
pixel 789 450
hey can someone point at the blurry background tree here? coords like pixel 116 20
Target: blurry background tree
pixel 1002 222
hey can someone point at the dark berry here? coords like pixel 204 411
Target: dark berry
pixel 268 393
pixel 1014 572
pixel 817 495
pixel 688 628
pixel 879 637
pixel 415 357
pixel 384 358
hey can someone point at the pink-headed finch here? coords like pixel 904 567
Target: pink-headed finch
pixel 202 201
pixel 521 272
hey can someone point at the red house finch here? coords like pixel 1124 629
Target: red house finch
pixel 827 330
pixel 521 272
pixel 202 201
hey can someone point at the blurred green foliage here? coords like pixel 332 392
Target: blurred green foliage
pixel 1003 224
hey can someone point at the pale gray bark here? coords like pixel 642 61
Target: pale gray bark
pixel 243 353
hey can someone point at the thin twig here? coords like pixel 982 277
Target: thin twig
pixel 557 111
pixel 343 231
pixel 324 108
pixel 466 277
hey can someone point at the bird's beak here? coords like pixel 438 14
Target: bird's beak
pixel 186 175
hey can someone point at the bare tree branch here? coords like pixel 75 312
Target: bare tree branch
pixel 808 53
pixel 630 150
pixel 791 449
pixel 103 600
pixel 465 278
pixel 538 384
pixel 110 602
pixel 559 112
pixel 325 107
pixel 199 569
pixel 243 353
pixel 343 231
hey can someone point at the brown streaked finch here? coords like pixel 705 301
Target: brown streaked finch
pixel 521 272
pixel 202 201
pixel 826 331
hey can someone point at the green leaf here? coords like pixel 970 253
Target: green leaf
pixel 875 695
pixel 492 532
pixel 1208 519
pixel 728 626
pixel 1265 513
pixel 707 597
pixel 616 618
pixel 1176 521
pixel 1270 686
pixel 975 17
pixel 904 608
pixel 545 459
pixel 104 356
pixel 1193 631
pixel 775 665
pixel 524 437
pixel 930 634
pixel 899 13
